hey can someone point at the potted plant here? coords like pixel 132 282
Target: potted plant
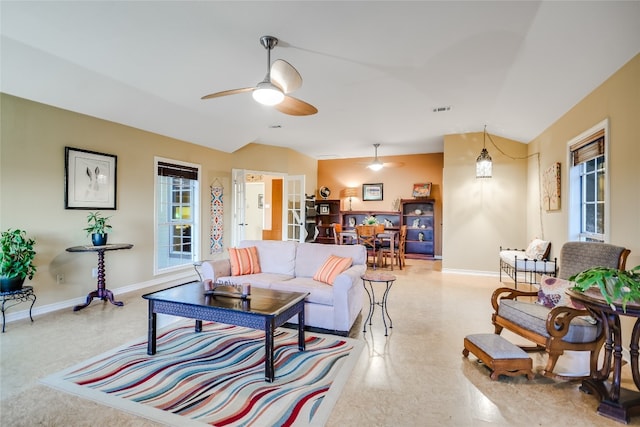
pixel 17 259
pixel 615 285
pixel 98 228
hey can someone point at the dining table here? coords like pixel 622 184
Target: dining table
pixel 350 237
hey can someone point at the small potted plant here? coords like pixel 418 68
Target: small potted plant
pixel 621 286
pixel 98 228
pixel 373 221
pixel 17 259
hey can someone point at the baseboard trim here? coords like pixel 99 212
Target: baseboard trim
pixel 169 280
pixel 471 272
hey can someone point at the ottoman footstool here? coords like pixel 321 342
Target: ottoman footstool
pixel 501 356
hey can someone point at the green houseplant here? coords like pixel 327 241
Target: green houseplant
pixel 17 259
pixel 614 284
pixel 98 227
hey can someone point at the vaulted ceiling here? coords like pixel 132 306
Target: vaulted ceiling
pixel 376 71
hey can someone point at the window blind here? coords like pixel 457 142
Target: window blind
pixel 588 148
pixel 177 171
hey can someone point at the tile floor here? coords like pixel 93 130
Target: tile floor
pixel 416 376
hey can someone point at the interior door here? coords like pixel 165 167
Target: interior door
pixel 294 209
pixel 239 203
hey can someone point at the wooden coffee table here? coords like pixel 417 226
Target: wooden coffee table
pixel 264 310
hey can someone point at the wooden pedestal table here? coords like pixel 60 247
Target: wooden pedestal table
pixel 615 402
pixel 101 292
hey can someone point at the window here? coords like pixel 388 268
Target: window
pixel 588 187
pixel 177 224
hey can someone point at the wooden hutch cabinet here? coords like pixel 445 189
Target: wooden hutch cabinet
pixel 327 213
pixel 418 216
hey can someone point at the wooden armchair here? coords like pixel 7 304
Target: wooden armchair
pixel 560 328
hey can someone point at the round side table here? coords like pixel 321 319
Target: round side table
pixel 24 294
pixel 374 277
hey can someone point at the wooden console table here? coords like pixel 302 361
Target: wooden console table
pixel 615 402
pixel 101 292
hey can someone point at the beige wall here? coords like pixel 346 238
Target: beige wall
pixel 617 99
pixel 33 137
pixel 480 215
pixel 397 182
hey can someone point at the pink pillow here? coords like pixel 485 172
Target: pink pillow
pixel 244 261
pixel 333 266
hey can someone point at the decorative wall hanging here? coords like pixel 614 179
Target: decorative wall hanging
pixel 422 190
pixel 551 187
pixel 372 191
pixel 89 179
pixel 217 212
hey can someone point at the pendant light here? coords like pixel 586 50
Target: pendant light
pixel 483 162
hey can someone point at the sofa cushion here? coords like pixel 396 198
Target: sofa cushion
pixel 319 293
pixel 333 266
pixel 275 256
pixel 534 318
pixel 244 261
pixel 310 256
pixel 260 280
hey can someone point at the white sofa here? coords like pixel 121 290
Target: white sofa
pixel 290 266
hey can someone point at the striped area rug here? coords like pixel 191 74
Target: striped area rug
pixel 216 377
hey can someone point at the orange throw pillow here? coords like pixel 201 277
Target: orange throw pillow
pixel 333 266
pixel 244 261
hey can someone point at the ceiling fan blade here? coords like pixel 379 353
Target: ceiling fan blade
pixel 285 76
pixel 228 92
pixel 295 107
pixel 393 164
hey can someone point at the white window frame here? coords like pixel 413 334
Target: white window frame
pixel 574 211
pixel 195 223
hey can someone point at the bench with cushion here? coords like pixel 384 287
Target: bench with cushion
pixel 548 317
pixel 526 265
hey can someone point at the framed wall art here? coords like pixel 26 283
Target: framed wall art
pixel 324 210
pixel 551 187
pixel 372 191
pixel 89 179
pixel 421 191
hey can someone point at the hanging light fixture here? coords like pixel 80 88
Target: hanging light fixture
pixel 266 93
pixel 483 162
pixel 376 165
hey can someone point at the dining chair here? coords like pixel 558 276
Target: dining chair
pixel 337 229
pixel 398 249
pixel 367 236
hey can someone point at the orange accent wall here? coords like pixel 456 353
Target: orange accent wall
pixel 397 182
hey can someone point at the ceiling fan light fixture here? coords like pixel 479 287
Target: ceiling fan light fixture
pixel 266 93
pixel 376 165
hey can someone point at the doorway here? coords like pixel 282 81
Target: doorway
pixel 254 210
pixel 281 197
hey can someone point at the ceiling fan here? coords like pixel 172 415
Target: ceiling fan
pixel 376 164
pixel 281 79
